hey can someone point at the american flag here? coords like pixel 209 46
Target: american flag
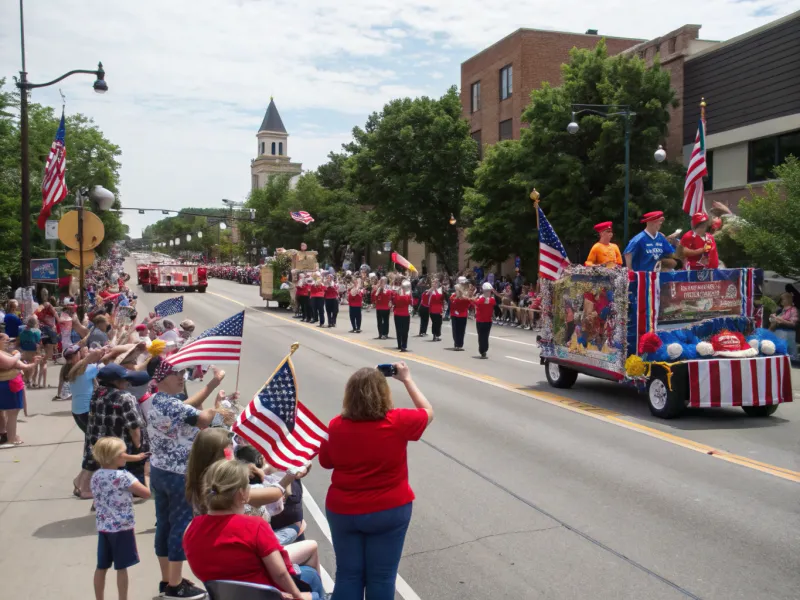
pixel 170 306
pixel 693 187
pixel 220 344
pixel 302 216
pixel 552 256
pixel 278 426
pixel 54 186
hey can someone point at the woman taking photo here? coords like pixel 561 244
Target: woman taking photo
pixel 369 500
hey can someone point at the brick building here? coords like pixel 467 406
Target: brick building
pixel 496 83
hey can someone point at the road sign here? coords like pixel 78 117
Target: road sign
pixel 74 257
pixel 93 230
pixel 51 230
pixel 44 269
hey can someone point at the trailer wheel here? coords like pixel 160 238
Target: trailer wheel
pixel 664 403
pixel 202 290
pixel 558 376
pixel 760 411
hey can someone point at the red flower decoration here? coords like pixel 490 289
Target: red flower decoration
pixel 649 342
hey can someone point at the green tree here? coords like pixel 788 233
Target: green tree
pixel 411 164
pixel 769 228
pixel 580 177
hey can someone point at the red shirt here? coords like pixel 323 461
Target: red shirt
pixel 356 299
pixel 317 290
pixel 459 307
pixel 381 301
pixel 231 547
pixel 331 292
pixel 401 303
pixel 104 294
pixel 692 241
pixel 484 310
pixel 369 461
pixel 436 300
pixel 302 290
pixel 426 299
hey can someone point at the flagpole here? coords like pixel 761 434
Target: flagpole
pixel 703 120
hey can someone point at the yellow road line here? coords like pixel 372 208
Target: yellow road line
pixel 576 406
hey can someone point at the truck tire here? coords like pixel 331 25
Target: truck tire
pixel 760 411
pixel 664 403
pixel 558 376
pixel 202 290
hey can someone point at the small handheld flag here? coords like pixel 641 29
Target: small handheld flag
pixel 221 344
pixel 170 306
pixel 54 185
pixel 275 423
pixel 402 261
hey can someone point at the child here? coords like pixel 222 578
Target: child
pixel 112 489
pixel 30 340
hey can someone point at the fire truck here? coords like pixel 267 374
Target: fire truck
pixel 172 277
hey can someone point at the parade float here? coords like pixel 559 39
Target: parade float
pixel 284 262
pixel 684 338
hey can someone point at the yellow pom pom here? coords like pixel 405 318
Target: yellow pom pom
pixel 157 347
pixel 634 366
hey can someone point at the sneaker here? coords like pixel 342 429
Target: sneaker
pixel 352 331
pixel 184 590
pixel 483 355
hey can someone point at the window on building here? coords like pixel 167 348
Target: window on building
pixel 262 147
pixel 671 45
pixel 708 183
pixel 767 153
pixel 475 89
pixel 506 82
pixel 273 148
pixel 476 135
pixel 506 130
pixel 280 148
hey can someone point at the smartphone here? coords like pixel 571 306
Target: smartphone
pixel 387 370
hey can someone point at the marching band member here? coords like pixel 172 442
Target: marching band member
pixel 459 309
pixel 436 304
pixel 647 247
pixel 401 302
pixel 484 309
pixel 381 295
pixel 331 300
pixel 301 293
pixel 355 300
pixel 604 253
pixel 424 311
pixel 318 300
pixel 698 245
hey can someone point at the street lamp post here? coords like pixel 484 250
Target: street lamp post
pixel 25 87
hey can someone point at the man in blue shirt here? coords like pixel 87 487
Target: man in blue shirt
pixel 648 247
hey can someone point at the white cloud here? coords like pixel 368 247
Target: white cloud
pixel 189 79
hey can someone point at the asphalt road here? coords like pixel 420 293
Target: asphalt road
pixel 521 497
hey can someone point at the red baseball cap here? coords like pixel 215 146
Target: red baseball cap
pixel 699 217
pixel 652 216
pixel 601 227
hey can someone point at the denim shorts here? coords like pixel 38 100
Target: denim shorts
pixel 117 548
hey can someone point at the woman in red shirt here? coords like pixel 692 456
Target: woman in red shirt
pixel 381 295
pixel 369 500
pixel 436 300
pixel 227 544
pixel 331 300
pixel 355 299
pixel 484 309
pixel 301 294
pixel 459 309
pixel 317 293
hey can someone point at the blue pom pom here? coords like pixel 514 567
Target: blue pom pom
pixel 781 348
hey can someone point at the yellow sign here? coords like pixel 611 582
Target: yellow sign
pixel 74 257
pixel 93 230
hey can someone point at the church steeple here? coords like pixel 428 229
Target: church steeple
pixel 272 119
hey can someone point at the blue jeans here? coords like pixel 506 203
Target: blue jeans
pixel 312 578
pixel 173 513
pixel 368 549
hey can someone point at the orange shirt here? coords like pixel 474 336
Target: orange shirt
pixel 602 254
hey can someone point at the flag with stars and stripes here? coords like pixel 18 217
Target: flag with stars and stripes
pixel 302 216
pixel 54 184
pixel 693 194
pixel 219 345
pixel 170 306
pixel 284 431
pixel 552 256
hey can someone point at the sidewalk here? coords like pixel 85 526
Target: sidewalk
pixel 49 536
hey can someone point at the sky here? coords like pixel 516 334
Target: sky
pixel 189 80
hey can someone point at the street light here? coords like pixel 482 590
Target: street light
pixel 660 155
pixel 104 200
pixel 452 219
pixel 188 237
pixel 25 87
pixel 200 234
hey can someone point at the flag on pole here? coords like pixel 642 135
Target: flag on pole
pixel 278 425
pixel 302 216
pixel 54 186
pixel 399 259
pixel 693 187
pixel 218 345
pixel 552 256
pixel 170 306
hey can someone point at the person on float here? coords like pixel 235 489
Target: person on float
pixel 604 253
pixel 401 302
pixel 647 247
pixel 436 300
pixel 484 310
pixel 459 310
pixel 381 295
pixel 698 245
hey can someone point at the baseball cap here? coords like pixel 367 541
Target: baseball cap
pixel 114 372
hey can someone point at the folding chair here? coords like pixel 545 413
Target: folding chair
pixel 239 590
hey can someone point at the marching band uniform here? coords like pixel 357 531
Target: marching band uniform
pixel 301 294
pixel 424 312
pixel 484 310
pixel 318 302
pixel 355 300
pixel 401 301
pixel 647 247
pixel 700 249
pixel 604 253
pixel 381 296
pixel 459 308
pixel 436 300
pixel 331 301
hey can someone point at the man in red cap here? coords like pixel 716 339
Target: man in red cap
pixel 604 253
pixel 699 247
pixel 646 249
